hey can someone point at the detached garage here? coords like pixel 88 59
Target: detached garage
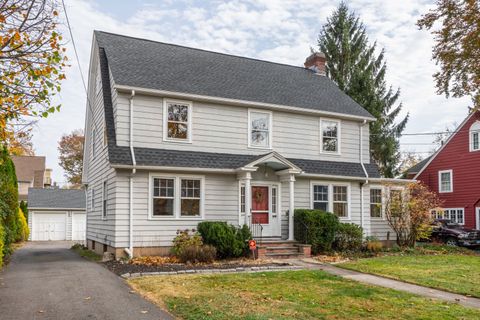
pixel 56 214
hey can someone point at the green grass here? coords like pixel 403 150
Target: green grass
pixel 288 295
pixel 454 272
pixel 86 253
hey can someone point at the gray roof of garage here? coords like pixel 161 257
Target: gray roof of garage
pixel 56 198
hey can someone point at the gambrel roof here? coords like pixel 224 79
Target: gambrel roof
pixel 117 54
pixel 149 64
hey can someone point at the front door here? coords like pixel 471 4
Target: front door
pixel 264 211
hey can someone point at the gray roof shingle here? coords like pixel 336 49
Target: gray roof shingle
pixel 416 168
pixel 155 65
pixel 56 198
pixel 120 155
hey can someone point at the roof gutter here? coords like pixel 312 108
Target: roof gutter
pixel 129 251
pixel 238 102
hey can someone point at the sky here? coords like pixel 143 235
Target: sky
pixel 275 30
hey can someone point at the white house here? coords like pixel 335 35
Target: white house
pixel 177 135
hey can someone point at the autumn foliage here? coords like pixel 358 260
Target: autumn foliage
pixel 457 47
pixel 32 59
pixel 70 148
pixel 408 212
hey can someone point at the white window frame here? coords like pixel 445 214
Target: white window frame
pixel 382 202
pixel 447 215
pixel 270 130
pixel 339 135
pixel 176 196
pixel 189 104
pixel 450 171
pixel 473 132
pixel 104 200
pixel 330 185
pixel 328 195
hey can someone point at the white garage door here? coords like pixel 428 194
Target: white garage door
pixel 79 226
pixel 49 226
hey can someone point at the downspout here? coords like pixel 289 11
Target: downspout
pixel 129 250
pixel 362 224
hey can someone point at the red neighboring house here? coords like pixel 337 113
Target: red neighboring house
pixel 454 173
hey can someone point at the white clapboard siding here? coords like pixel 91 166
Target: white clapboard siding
pixel 222 128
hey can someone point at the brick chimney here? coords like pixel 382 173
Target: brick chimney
pixel 316 63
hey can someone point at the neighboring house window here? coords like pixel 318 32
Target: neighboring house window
pixel 375 202
pixel 93 142
pixel 177 120
pixel 437 214
pixel 329 135
pixel 242 199
pixel 176 197
pixel 475 136
pixel 320 197
pixel 190 197
pixel 104 200
pixel 340 201
pixel 163 197
pixel 259 129
pixel 456 215
pixel 445 181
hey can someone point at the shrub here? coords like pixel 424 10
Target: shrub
pixel 22 226
pixel 348 237
pixel 2 242
pixel 372 244
pixel 228 240
pixel 315 227
pixel 185 238
pixel 24 207
pixel 196 254
pixel 8 201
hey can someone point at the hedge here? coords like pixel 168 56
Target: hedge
pixel 315 227
pixel 230 241
pixel 348 237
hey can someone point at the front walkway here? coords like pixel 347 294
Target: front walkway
pixel 46 280
pixel 389 283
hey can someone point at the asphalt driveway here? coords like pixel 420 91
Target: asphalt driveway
pixel 46 280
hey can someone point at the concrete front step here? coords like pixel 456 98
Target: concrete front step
pixel 282 249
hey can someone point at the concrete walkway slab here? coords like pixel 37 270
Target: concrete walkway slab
pixel 390 283
pixel 46 280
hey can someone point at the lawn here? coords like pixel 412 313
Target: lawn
pixel 459 273
pixel 288 295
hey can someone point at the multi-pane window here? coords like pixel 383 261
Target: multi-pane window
pixel 260 129
pixel 475 138
pixel 396 202
pixel 445 181
pixel 375 203
pixel 329 136
pixel 190 197
pixel 438 214
pixel 320 197
pixel 163 197
pixel 455 215
pixel 177 124
pixel 340 201
pixel 104 200
pixel 242 199
pixel 274 200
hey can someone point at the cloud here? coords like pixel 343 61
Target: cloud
pixel 276 30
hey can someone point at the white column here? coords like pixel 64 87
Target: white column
pixel 248 198
pixel 291 182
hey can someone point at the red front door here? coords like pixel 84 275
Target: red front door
pixel 260 205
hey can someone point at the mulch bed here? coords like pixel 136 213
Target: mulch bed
pixel 121 267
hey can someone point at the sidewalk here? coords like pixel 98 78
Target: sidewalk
pixel 389 283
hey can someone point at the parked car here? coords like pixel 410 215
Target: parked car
pixel 454 234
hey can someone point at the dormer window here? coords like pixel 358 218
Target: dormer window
pixel 259 129
pixel 329 136
pixel 475 136
pixel 177 124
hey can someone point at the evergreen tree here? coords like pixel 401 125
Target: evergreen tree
pixel 352 63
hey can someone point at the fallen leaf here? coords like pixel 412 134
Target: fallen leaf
pixel 144 311
pixel 87 298
pixel 41 311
